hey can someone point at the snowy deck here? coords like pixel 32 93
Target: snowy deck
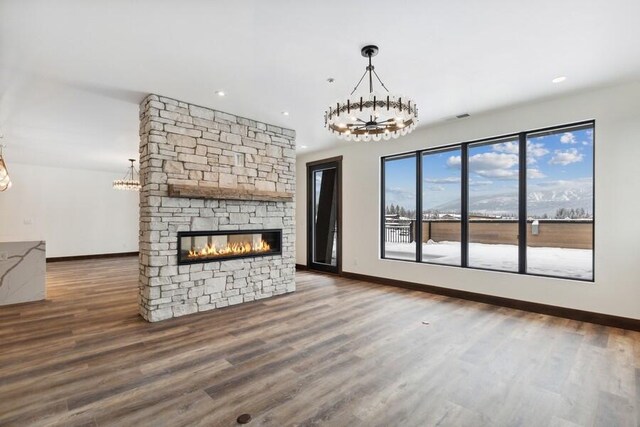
pixel 573 263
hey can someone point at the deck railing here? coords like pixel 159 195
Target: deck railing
pixel 561 233
pixel 400 233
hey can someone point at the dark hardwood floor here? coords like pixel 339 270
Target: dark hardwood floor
pixel 337 352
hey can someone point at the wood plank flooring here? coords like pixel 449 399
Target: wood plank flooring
pixel 337 352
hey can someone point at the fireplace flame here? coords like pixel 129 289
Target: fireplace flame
pixel 212 250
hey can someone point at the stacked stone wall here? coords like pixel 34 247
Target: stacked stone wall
pixel 181 143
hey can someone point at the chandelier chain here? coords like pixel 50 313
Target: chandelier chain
pixel 359 81
pixel 381 84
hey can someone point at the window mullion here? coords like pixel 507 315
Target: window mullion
pixel 383 210
pixel 522 204
pixel 418 232
pixel 464 217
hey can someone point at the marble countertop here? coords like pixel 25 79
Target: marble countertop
pixel 22 271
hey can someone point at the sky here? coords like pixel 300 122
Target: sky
pixel 400 182
pixel 559 174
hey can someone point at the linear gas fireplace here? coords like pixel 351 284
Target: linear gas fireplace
pixel 205 246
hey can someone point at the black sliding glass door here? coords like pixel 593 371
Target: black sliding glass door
pixel 324 213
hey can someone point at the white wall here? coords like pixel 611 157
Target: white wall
pixel 75 211
pixel 616 289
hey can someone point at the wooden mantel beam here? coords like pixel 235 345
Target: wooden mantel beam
pixel 195 191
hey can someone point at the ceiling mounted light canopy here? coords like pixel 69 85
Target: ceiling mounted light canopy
pixel 373 115
pixel 130 181
pixel 5 180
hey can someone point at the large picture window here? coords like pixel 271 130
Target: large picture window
pixel 400 207
pixel 441 207
pixel 493 204
pixel 560 202
pixel 521 203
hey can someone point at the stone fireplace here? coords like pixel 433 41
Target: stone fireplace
pixel 216 209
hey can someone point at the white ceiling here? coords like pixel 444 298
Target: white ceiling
pixel 73 72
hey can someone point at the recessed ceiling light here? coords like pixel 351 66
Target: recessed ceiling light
pixel 559 79
pixel 303 146
pixel 220 93
pixel 285 113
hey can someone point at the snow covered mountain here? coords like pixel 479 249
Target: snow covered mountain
pixel 549 201
pixel 542 198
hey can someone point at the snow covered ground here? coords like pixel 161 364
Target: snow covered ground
pixel 574 263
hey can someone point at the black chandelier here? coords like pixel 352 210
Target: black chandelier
pixel 131 180
pixel 373 116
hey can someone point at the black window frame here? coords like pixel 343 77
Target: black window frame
pixel 464 183
pixel 383 212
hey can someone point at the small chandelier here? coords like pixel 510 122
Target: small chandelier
pixel 374 116
pixel 5 180
pixel 130 180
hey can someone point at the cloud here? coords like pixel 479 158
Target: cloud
pixel 400 196
pixel 535 174
pixel 566 157
pixel 485 161
pixel 536 149
pixel 510 147
pixel 492 161
pixel 447 180
pixel 504 174
pixel 568 138
pixel 490 165
pixel 401 192
pixel 435 188
pixel 562 184
pixel 474 183
pixel 454 161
